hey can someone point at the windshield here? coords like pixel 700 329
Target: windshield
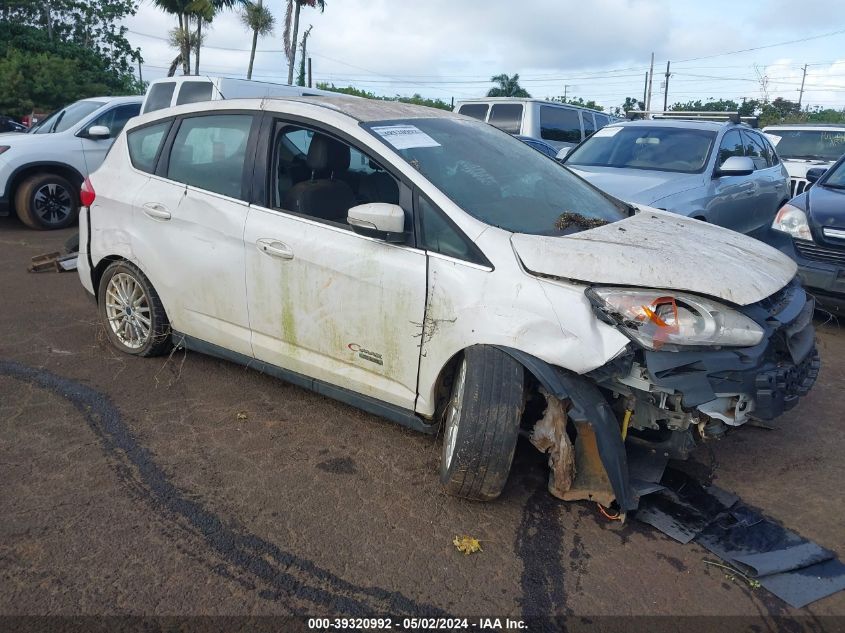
pixel 66 118
pixel 642 147
pixel 808 144
pixel 496 178
pixel 836 177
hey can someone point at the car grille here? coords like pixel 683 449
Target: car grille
pixel 797 186
pixel 811 250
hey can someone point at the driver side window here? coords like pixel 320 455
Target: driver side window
pixel 731 146
pixel 322 177
pixel 116 118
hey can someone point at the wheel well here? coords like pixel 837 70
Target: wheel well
pixel 699 217
pixel 100 268
pixel 50 168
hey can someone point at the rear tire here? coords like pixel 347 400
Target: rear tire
pixel 131 312
pixel 482 424
pixel 47 202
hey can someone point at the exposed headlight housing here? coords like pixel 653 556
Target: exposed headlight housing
pixel 664 320
pixel 792 221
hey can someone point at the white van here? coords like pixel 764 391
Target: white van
pixel 173 91
pixel 560 125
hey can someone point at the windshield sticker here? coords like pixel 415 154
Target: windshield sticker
pixel 405 136
pixel 608 131
pixel 773 138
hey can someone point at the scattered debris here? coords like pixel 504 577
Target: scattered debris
pixel 467 544
pixel 54 261
pixel 570 218
pixel 549 436
pixel 733 572
pixel 242 415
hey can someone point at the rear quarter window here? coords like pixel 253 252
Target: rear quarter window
pixel 507 117
pixel 194 91
pixel 144 145
pixel 560 124
pixel 475 110
pixel 159 96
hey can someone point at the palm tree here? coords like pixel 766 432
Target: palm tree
pixel 508 87
pixel 258 19
pixel 292 29
pixel 205 10
pixel 179 8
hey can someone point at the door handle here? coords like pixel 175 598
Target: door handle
pixel 156 211
pixel 274 248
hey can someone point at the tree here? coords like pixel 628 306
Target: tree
pixel 357 92
pixel 710 105
pixel 258 19
pixel 579 101
pixel 205 10
pixel 292 29
pixel 508 87
pixel 54 53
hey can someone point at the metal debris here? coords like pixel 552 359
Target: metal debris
pixel 53 262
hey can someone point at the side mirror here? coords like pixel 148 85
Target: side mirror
pixel 561 155
pixel 736 166
pixel 378 219
pixel 815 173
pixel 98 132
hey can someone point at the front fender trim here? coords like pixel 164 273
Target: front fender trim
pixel 589 407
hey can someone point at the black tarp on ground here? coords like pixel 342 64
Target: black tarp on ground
pixel 796 570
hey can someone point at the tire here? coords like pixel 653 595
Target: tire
pixel 47 202
pixel 143 330
pixel 482 424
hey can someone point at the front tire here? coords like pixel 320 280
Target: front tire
pixel 131 312
pixel 47 202
pixel 482 424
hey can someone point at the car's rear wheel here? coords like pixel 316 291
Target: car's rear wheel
pixel 47 201
pixel 482 423
pixel 131 312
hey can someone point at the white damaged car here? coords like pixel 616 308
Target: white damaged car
pixel 436 271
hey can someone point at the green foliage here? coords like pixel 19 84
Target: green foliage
pixel 579 101
pixel 415 99
pixel 778 110
pixel 77 50
pixel 508 87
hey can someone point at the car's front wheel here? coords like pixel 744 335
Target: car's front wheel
pixel 482 423
pixel 131 311
pixel 47 201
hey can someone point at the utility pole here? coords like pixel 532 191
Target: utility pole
pixel 645 91
pixel 801 92
pixel 140 75
pixel 666 89
pixel 650 80
pixel 304 51
pixel 565 86
pixel 309 72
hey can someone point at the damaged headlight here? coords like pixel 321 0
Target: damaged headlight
pixel 792 221
pixel 672 321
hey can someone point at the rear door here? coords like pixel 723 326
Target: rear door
pixel 323 300
pixel 189 224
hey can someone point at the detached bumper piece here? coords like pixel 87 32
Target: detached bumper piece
pixel 796 570
pixel 779 389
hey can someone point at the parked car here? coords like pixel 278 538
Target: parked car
pixel 172 91
pixel 41 171
pixel 720 172
pixel 806 146
pixel 811 230
pixel 540 146
pixel 432 269
pixel 558 124
pixel 8 124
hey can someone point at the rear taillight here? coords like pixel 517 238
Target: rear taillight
pixel 86 194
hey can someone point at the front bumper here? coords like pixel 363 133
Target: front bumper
pixel 771 376
pixel 821 268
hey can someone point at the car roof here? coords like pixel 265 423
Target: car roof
pixel 806 126
pixel 686 124
pixel 110 100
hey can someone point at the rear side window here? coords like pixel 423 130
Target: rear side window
pixel 560 124
pixel 209 152
pixel 475 110
pixel 589 126
pixel 144 144
pixel 601 121
pixel 194 91
pixel 159 96
pixel 507 117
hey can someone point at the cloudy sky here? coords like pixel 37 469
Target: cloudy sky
pixel 595 49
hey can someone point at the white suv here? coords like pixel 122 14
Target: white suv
pixel 430 268
pixel 41 171
pixel 804 146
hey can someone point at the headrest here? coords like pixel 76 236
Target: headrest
pixel 327 154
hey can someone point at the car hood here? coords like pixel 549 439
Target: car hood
pixel 655 249
pixel 637 185
pixel 826 206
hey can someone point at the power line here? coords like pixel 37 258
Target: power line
pixel 759 48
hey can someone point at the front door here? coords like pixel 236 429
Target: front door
pixel 731 197
pixel 323 300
